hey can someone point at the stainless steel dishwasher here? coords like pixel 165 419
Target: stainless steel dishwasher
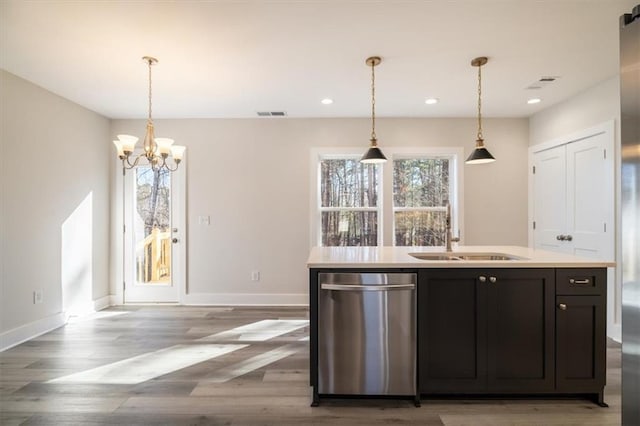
pixel 367 334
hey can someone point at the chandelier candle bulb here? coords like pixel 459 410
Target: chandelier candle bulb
pixel 177 151
pixel 164 146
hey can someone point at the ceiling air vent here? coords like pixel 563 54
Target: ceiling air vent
pixel 542 82
pixel 271 114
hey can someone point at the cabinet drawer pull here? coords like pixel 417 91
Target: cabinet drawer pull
pixel 584 281
pixel 562 307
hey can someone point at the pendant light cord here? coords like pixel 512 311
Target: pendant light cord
pixel 150 63
pixel 373 102
pixel 479 102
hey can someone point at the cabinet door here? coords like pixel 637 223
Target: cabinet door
pixel 451 331
pixel 520 330
pixel 581 343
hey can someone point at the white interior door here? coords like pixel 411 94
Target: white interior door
pixel 573 197
pixel 549 199
pixel 590 198
pixel 154 209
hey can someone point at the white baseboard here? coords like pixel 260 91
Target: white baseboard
pixel 21 334
pixel 241 299
pixel 101 303
pixel 615 332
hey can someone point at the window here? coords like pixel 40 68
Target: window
pixel 349 207
pixel 421 191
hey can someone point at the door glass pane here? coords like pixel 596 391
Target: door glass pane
pixel 152 225
pixel 350 228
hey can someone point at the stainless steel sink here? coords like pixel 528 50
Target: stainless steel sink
pixel 434 256
pixel 466 256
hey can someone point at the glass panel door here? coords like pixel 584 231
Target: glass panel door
pixel 151 235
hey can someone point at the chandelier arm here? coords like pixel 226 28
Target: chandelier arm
pixel 166 165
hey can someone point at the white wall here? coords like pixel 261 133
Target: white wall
pixel 592 107
pixel 252 177
pixel 55 198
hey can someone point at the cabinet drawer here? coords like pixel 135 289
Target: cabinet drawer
pixel 581 281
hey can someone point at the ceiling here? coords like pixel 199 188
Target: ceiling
pixel 231 59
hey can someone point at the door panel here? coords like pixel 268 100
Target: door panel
pixel 154 215
pixel 590 197
pixel 549 197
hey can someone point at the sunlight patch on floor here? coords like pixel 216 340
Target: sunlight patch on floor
pixel 248 365
pixel 150 365
pixel 257 331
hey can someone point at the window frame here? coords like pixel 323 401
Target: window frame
pixel 386 218
pixel 454 156
pixel 319 154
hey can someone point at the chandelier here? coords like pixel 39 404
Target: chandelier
pixel 480 154
pixel 156 150
pixel 374 154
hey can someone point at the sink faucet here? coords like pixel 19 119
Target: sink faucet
pixel 449 237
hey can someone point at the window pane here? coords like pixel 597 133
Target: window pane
pixel 348 183
pixel 420 182
pixel 420 228
pixel 349 228
pixel 152 225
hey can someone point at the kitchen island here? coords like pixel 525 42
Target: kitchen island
pixel 489 321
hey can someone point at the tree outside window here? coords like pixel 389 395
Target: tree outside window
pixel 348 202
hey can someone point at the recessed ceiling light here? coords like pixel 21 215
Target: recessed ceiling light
pixel 534 101
pixel 327 101
pixel 431 101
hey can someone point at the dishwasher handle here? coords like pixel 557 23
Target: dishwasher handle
pixel 360 287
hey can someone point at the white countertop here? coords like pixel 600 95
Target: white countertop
pixel 398 257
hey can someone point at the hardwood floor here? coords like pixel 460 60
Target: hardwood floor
pixel 174 365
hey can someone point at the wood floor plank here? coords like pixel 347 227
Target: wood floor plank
pixel 274 390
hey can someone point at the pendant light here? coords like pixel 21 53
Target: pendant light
pixel 374 154
pixel 156 150
pixel 480 154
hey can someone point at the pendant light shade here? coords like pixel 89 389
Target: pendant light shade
pixel 480 154
pixel 373 155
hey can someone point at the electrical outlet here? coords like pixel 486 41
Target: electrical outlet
pixel 255 275
pixel 37 297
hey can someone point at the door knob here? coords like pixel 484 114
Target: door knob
pixel 562 307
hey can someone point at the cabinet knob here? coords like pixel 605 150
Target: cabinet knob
pixel 174 240
pixel 562 307
pixel 493 279
pixel 482 278
pixel 568 237
pixel 560 237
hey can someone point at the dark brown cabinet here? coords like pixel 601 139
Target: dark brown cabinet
pixel 486 330
pixel 581 332
pixel 504 331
